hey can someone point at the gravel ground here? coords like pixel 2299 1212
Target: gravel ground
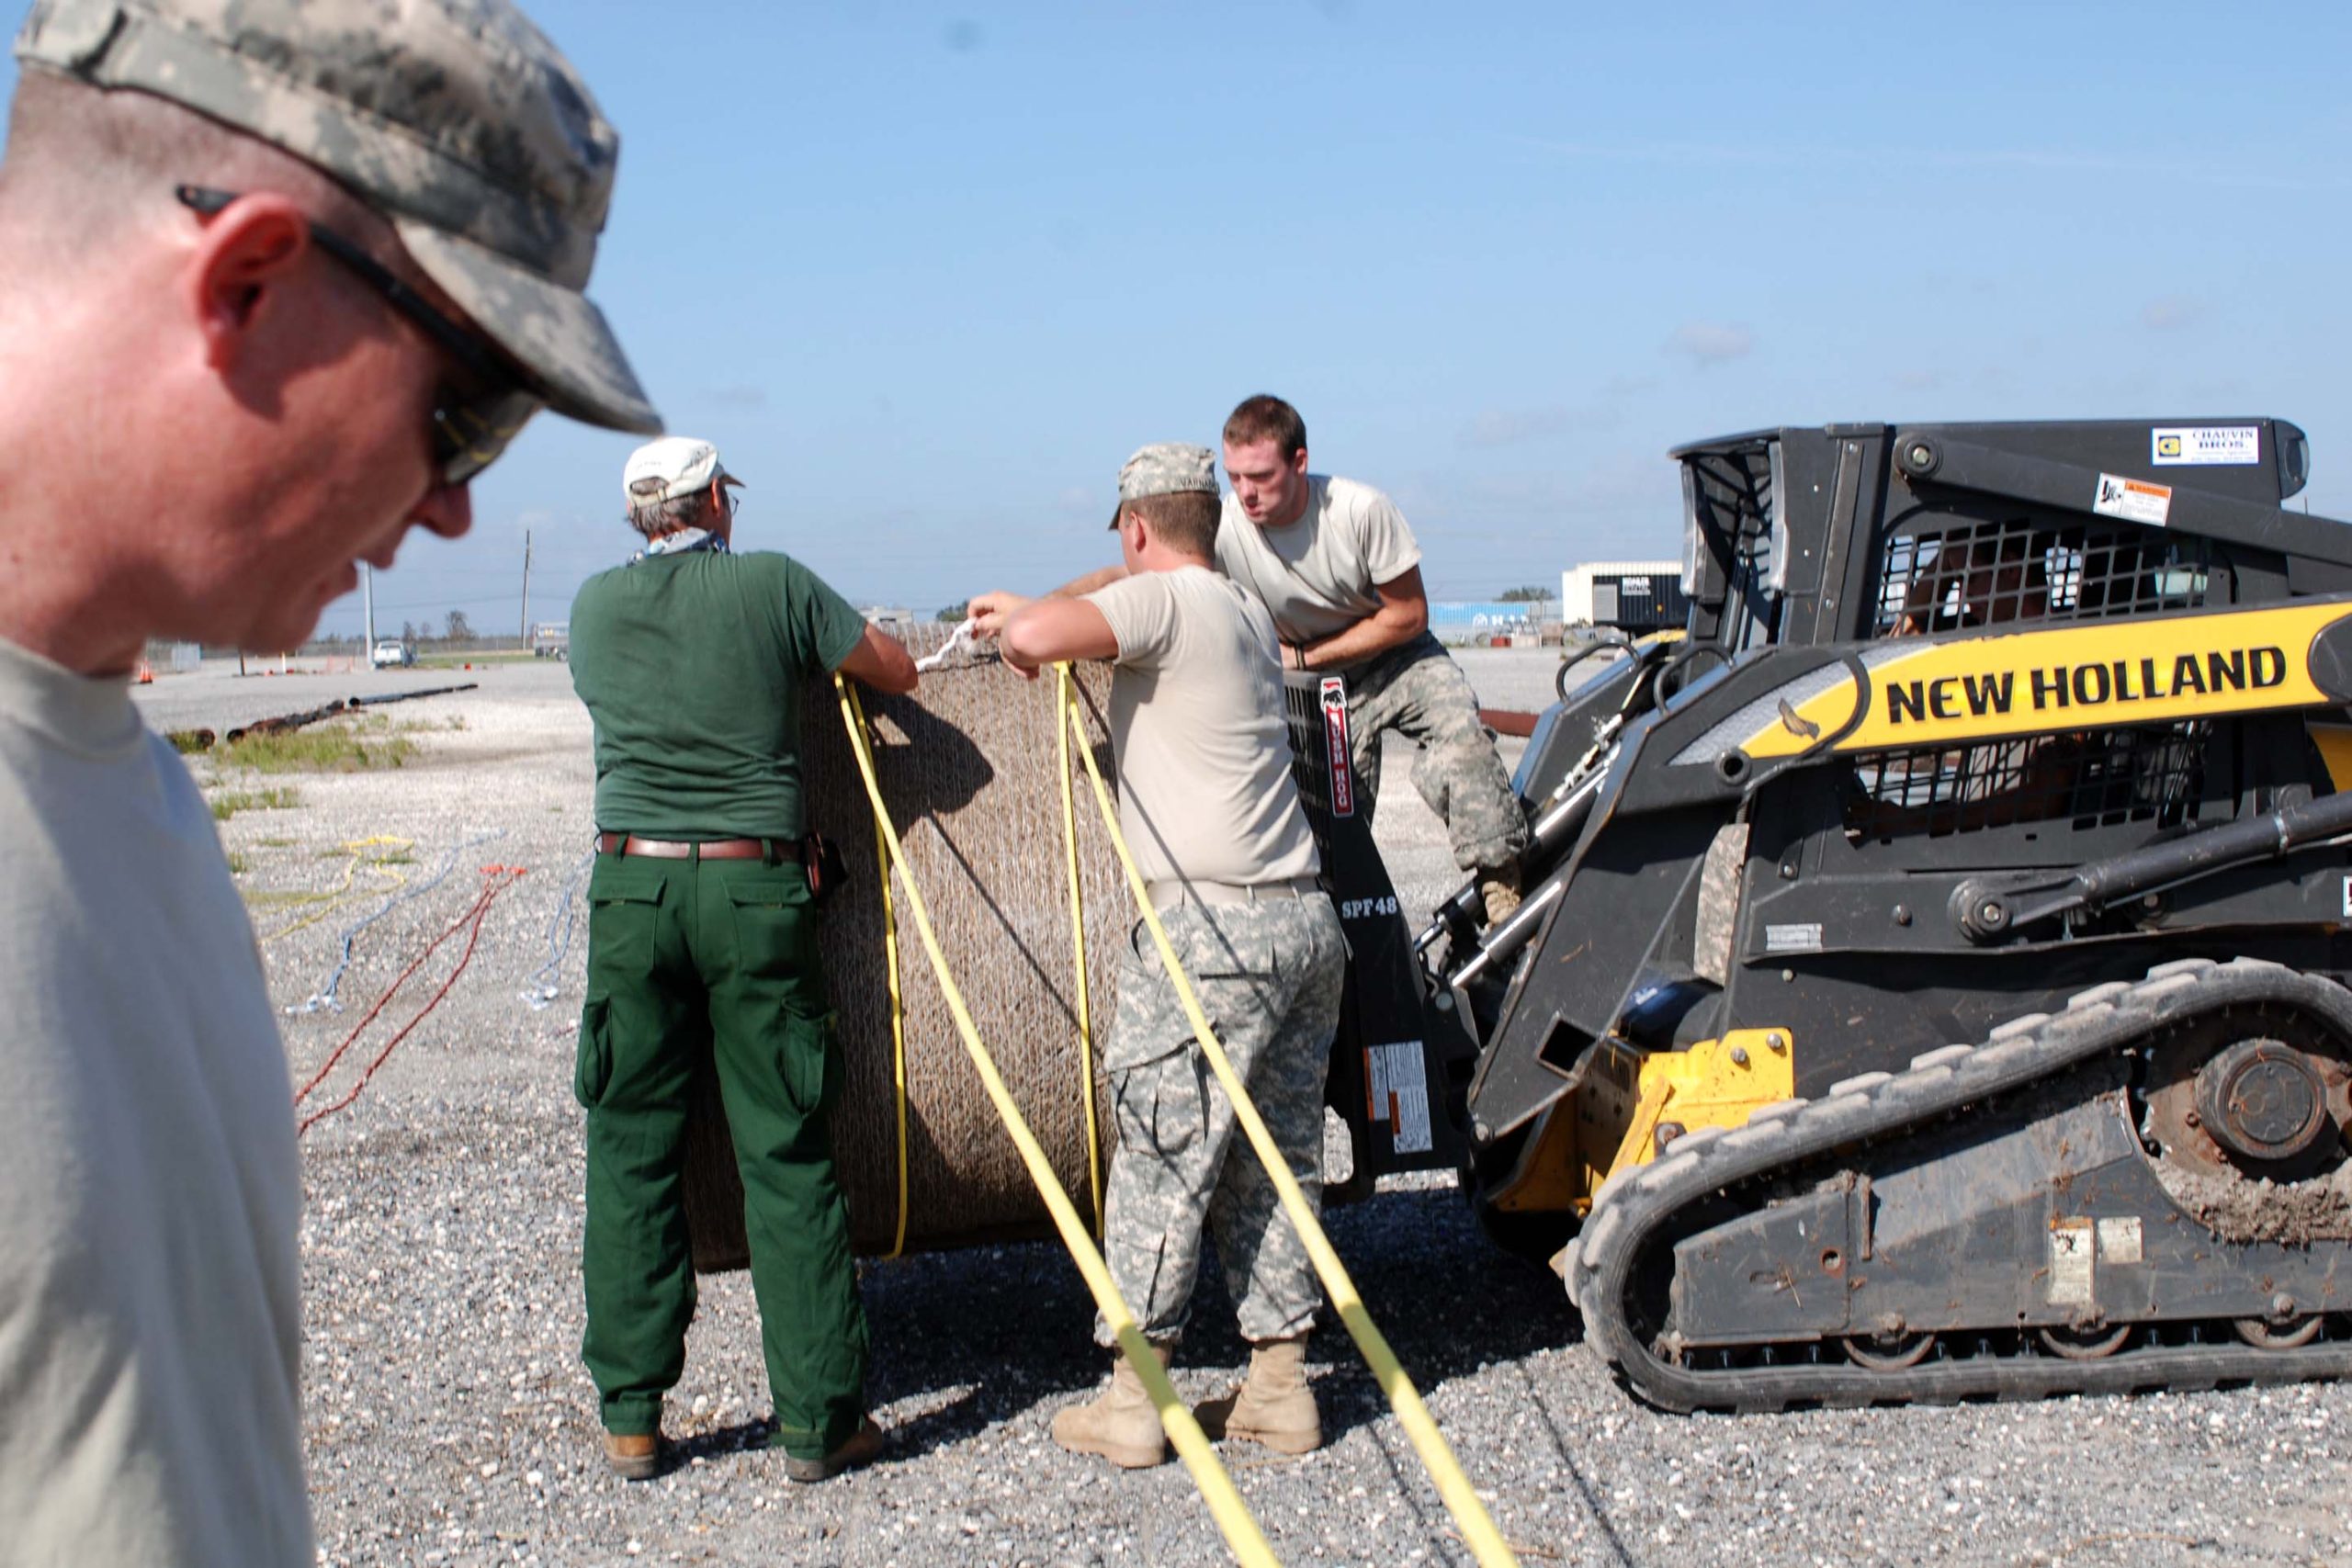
pixel 448 1419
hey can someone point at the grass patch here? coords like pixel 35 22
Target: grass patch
pixel 275 844
pixel 388 857
pixel 264 899
pixel 228 805
pixel 236 864
pixel 331 748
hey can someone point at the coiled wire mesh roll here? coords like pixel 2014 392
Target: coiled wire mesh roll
pixel 968 766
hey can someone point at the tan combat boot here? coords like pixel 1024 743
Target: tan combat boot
pixel 1499 887
pixel 1120 1423
pixel 1273 1405
pixel 634 1456
pixel 860 1448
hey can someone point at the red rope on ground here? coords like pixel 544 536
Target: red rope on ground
pixel 503 877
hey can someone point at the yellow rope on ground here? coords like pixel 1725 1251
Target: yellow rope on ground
pixel 1232 1516
pixel 1077 945
pixel 336 897
pixel 1478 1531
pixel 898 993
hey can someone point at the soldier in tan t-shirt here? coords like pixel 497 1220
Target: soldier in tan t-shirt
pixel 1207 803
pixel 1334 565
pixel 1339 569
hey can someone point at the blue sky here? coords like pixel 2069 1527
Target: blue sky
pixel 928 273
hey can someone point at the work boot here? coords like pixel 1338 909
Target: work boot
pixel 1499 887
pixel 634 1456
pixel 1120 1423
pixel 1273 1405
pixel 860 1446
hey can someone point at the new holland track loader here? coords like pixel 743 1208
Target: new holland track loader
pixel 1931 979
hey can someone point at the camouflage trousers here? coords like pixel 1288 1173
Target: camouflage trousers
pixel 1268 976
pixel 1419 690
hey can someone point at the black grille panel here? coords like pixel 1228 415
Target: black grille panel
pixel 2153 774
pixel 1994 573
pixel 1731 490
pixel 1308 764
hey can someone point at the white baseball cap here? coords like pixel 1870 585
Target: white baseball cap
pixel 682 466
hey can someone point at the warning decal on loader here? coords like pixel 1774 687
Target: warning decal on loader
pixel 2135 500
pixel 1398 1086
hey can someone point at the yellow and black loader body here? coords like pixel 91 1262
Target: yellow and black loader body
pixel 1930 982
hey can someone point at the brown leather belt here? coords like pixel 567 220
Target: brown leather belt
pixel 708 849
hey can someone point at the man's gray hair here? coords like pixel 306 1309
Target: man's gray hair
pixel 654 518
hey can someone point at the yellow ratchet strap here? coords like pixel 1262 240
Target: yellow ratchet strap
pixel 897 990
pixel 1241 1533
pixel 1064 698
pixel 1486 1543
pixel 336 897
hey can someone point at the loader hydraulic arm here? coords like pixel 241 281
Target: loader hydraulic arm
pixel 1986 916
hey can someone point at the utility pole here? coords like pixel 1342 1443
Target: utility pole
pixel 526 588
pixel 367 598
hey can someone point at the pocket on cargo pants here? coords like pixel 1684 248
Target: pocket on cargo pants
pixel 774 995
pixel 592 1069
pixel 624 906
pixel 804 1059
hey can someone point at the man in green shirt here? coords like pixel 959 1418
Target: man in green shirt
pixel 692 660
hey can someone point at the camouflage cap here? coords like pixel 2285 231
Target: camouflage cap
pixel 1167 468
pixel 457 119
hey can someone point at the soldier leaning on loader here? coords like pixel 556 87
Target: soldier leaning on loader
pixel 316 263
pixel 1339 569
pixel 702 943
pixel 1336 564
pixel 1207 804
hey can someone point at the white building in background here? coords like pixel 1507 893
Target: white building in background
pixel 1636 596
pixel 896 619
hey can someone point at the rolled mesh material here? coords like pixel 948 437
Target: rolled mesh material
pixel 968 766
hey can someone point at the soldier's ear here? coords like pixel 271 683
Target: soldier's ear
pixel 241 257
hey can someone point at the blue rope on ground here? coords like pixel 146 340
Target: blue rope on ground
pixel 540 988
pixel 324 996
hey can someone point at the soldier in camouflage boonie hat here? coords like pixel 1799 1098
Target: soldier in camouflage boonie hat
pixel 1165 468
pixel 457 118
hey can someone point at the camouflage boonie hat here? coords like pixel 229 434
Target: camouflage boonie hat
pixel 1166 468
pixel 457 119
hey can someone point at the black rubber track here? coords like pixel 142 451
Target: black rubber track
pixel 1602 1262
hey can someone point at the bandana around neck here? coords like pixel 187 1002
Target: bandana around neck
pixel 685 541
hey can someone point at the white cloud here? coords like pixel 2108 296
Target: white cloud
pixel 1712 342
pixel 1506 427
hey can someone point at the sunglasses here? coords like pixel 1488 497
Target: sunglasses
pixel 471 425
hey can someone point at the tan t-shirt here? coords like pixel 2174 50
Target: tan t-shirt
pixel 150 1317
pixel 1197 719
pixel 1317 575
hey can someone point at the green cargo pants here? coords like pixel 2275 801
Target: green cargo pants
pixel 683 957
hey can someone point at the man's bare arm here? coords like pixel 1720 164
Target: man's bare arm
pixel 1045 630
pixel 881 661
pixel 1031 632
pixel 1101 578
pixel 1404 615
